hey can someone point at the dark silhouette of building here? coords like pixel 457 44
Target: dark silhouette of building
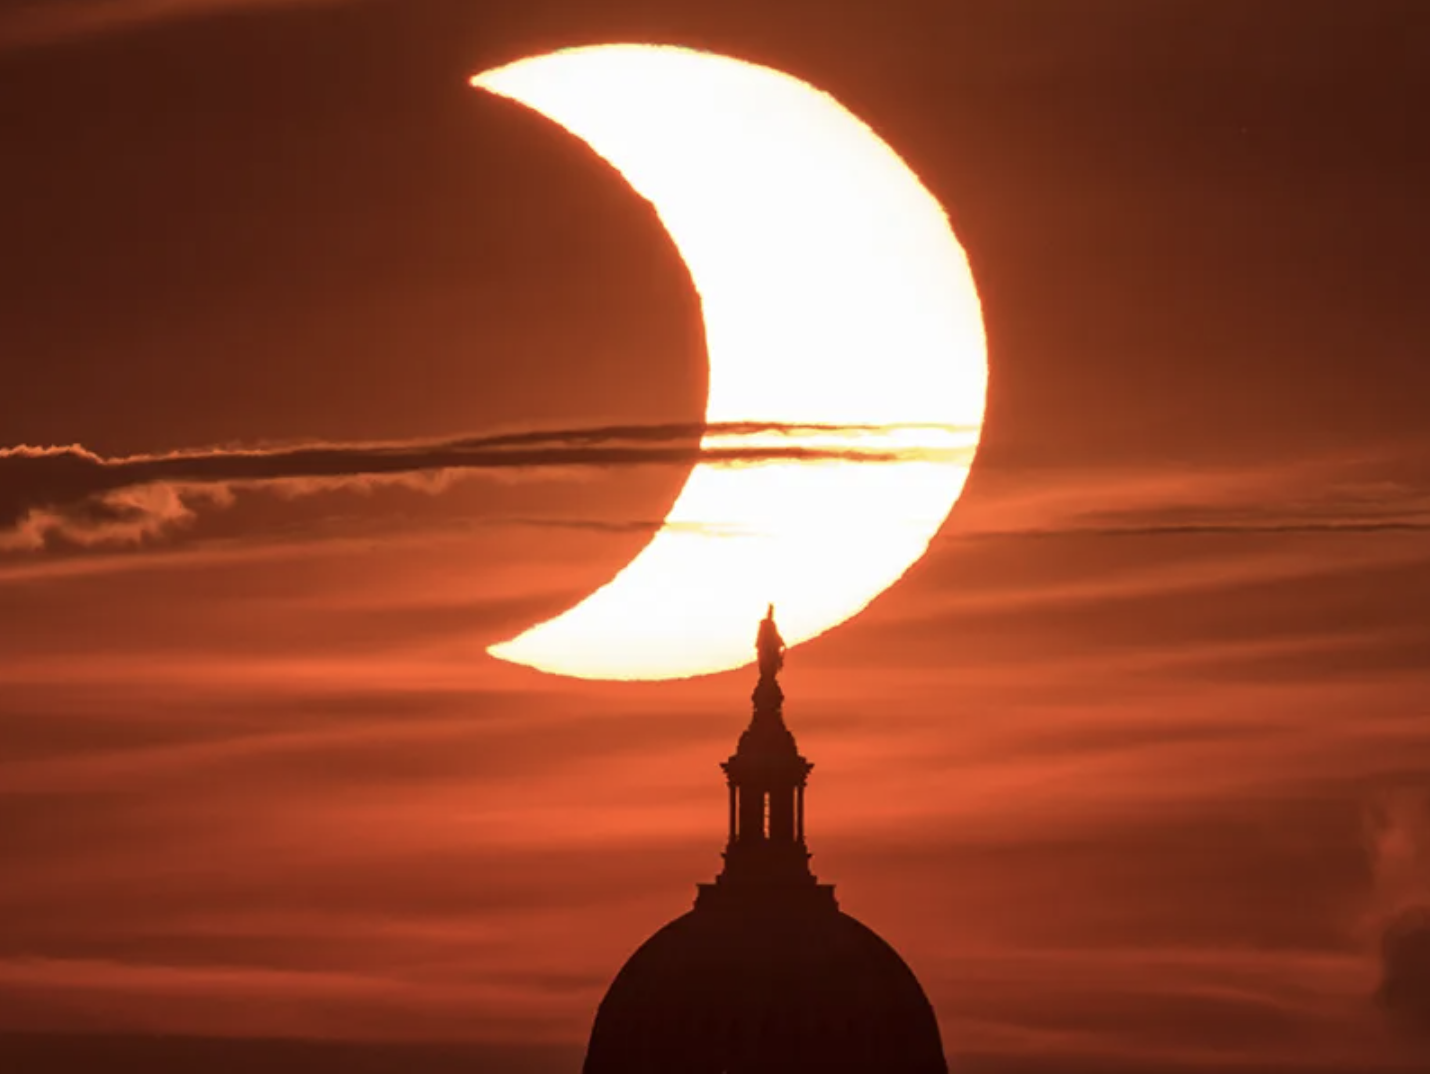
pixel 765 975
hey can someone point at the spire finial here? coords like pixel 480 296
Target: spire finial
pixel 770 647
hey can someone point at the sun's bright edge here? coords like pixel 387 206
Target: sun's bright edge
pixel 834 292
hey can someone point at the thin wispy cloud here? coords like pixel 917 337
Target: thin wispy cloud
pixel 70 497
pixel 1291 497
pixel 46 22
pixel 1243 528
pixel 73 495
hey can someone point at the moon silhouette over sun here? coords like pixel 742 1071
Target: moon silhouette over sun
pixel 834 293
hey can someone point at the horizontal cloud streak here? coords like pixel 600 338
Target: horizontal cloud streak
pixel 47 22
pixel 1176 529
pixel 75 495
pixel 1385 495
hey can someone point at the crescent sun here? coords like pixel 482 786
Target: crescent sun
pixel 834 293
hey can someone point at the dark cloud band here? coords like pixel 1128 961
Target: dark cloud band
pixel 73 494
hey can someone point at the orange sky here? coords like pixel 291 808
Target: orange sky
pixel 1133 768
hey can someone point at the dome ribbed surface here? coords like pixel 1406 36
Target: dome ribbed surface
pixel 725 990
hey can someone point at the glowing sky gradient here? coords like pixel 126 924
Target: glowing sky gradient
pixel 1133 766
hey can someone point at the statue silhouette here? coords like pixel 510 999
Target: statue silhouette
pixel 770 646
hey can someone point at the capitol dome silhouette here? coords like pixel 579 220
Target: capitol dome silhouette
pixel 766 975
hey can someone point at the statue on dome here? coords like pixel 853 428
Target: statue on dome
pixel 770 646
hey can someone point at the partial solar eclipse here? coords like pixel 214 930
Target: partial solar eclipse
pixel 835 293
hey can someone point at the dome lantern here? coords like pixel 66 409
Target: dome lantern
pixel 765 855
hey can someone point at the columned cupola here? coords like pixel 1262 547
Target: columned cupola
pixel 765 854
